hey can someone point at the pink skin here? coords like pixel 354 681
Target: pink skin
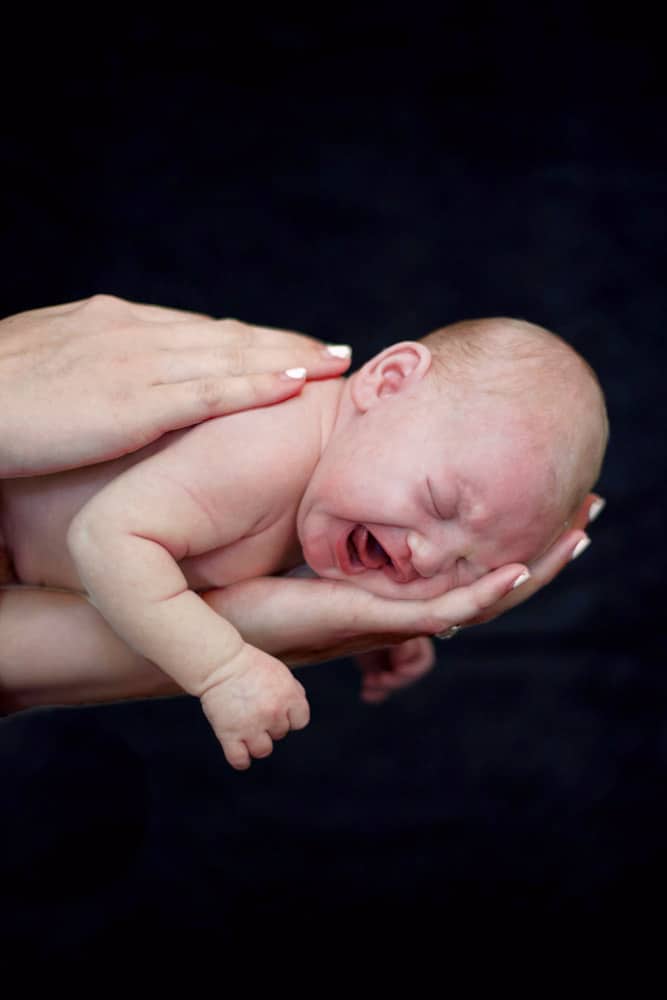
pixel 417 492
pixel 384 671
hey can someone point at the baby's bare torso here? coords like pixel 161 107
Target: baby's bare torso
pixel 35 513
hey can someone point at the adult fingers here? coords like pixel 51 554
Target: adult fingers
pixel 185 403
pixel 543 571
pixel 234 333
pixel 164 314
pixel 570 546
pixel 191 363
pixel 459 605
pixel 591 508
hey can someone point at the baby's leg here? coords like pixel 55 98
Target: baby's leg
pixel 56 649
pixel 384 671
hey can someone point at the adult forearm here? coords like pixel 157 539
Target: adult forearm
pixel 56 649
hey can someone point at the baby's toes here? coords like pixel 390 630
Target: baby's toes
pixel 415 658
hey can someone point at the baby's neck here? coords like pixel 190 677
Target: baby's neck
pixel 327 401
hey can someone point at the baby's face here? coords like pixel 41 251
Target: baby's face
pixel 414 500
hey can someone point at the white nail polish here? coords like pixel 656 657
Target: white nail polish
pixel 521 579
pixel 339 350
pixel 580 547
pixel 296 372
pixel 596 508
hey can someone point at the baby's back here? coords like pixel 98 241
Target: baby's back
pixel 35 513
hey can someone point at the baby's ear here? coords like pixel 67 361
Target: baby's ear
pixel 390 372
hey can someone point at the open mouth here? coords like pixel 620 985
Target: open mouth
pixel 365 551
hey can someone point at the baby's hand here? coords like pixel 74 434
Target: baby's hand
pixel 256 702
pixel 386 670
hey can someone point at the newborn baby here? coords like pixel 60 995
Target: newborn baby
pixel 438 461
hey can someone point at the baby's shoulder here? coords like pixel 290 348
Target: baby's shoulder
pixel 258 456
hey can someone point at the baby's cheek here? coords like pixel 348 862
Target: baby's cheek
pixel 466 573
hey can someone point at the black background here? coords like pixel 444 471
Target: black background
pixel 364 177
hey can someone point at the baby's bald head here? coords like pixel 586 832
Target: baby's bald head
pixel 534 378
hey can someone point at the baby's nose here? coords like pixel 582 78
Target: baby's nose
pixel 428 559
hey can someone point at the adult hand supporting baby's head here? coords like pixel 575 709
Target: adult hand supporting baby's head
pixel 309 620
pixel 88 381
pixel 571 544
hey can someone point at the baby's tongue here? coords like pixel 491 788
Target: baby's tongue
pixel 370 552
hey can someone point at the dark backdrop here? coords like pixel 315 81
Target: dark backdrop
pixel 365 178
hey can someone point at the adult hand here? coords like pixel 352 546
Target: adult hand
pixel 385 671
pixel 309 620
pixel 55 647
pixel 89 381
pixel 569 546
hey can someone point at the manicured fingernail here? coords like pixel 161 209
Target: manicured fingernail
pixel 338 350
pixel 295 373
pixel 521 578
pixel 580 547
pixel 596 508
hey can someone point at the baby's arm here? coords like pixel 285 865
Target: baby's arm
pixel 126 543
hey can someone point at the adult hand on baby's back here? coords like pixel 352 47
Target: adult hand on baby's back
pixel 88 381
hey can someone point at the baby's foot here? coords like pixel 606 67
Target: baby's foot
pixel 386 670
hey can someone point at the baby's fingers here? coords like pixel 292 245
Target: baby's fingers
pixel 299 714
pixel 260 746
pixel 236 754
